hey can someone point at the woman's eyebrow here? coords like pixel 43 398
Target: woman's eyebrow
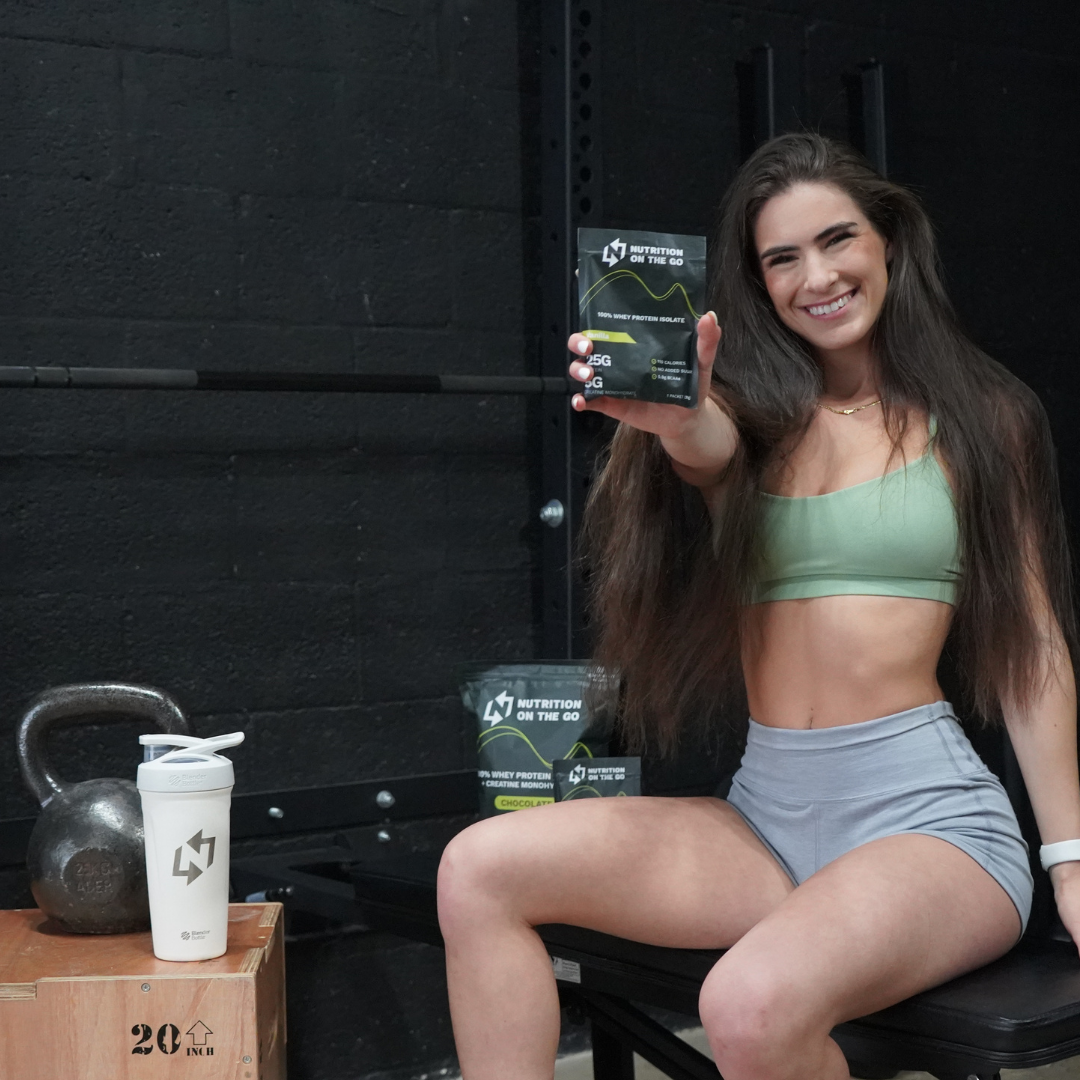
pixel 823 235
pixel 838 227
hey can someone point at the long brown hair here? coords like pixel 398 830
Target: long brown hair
pixel 669 583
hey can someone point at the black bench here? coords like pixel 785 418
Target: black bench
pixel 1019 1012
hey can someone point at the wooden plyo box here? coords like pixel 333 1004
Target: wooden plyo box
pixel 87 1007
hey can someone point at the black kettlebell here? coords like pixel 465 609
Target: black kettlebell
pixel 86 859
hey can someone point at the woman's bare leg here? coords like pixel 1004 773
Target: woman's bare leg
pixel 887 920
pixel 678 872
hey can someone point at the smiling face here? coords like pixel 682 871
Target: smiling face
pixel 824 266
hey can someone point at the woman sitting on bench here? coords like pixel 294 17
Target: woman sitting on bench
pixel 875 486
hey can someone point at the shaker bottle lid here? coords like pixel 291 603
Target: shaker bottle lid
pixel 193 766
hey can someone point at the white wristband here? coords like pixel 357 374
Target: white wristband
pixel 1065 851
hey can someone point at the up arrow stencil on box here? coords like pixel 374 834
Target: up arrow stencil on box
pixel 198 1033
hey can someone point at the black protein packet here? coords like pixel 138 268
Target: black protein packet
pixel 597 778
pixel 640 295
pixel 528 716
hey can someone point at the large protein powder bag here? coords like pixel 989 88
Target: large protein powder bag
pixel 640 295
pixel 528 716
pixel 596 779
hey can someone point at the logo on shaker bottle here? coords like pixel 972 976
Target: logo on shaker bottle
pixel 193 870
pixel 186 779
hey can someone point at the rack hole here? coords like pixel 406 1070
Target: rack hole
pixel 585 174
pixel 584 80
pixel 585 142
pixel 585 18
pixel 585 204
pixel 585 112
pixel 584 48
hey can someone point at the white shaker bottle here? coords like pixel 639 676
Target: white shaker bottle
pixel 186 795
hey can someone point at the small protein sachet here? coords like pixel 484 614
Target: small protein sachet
pixel 640 295
pixel 596 778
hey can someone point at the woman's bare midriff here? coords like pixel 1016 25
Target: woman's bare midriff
pixel 836 660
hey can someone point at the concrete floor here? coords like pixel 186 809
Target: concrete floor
pixel 579 1066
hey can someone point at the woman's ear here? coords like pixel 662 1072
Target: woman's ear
pixel 888 252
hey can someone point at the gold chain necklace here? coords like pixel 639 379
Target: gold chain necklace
pixel 848 412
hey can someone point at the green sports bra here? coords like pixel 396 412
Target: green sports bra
pixel 892 536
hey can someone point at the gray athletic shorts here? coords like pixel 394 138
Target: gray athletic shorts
pixel 812 795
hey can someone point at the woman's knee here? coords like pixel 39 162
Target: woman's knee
pixel 475 872
pixel 754 1026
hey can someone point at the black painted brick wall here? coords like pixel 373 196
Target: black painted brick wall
pixel 333 186
pixel 350 185
pixel 268 186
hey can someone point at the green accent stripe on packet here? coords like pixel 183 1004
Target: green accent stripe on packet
pixel 618 336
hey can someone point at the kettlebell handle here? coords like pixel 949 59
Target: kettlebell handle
pixel 86 703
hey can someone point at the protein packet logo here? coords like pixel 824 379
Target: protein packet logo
pixel 613 252
pixel 499 708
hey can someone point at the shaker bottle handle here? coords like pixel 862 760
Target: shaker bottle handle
pixel 169 740
pixel 186 744
pixel 86 703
